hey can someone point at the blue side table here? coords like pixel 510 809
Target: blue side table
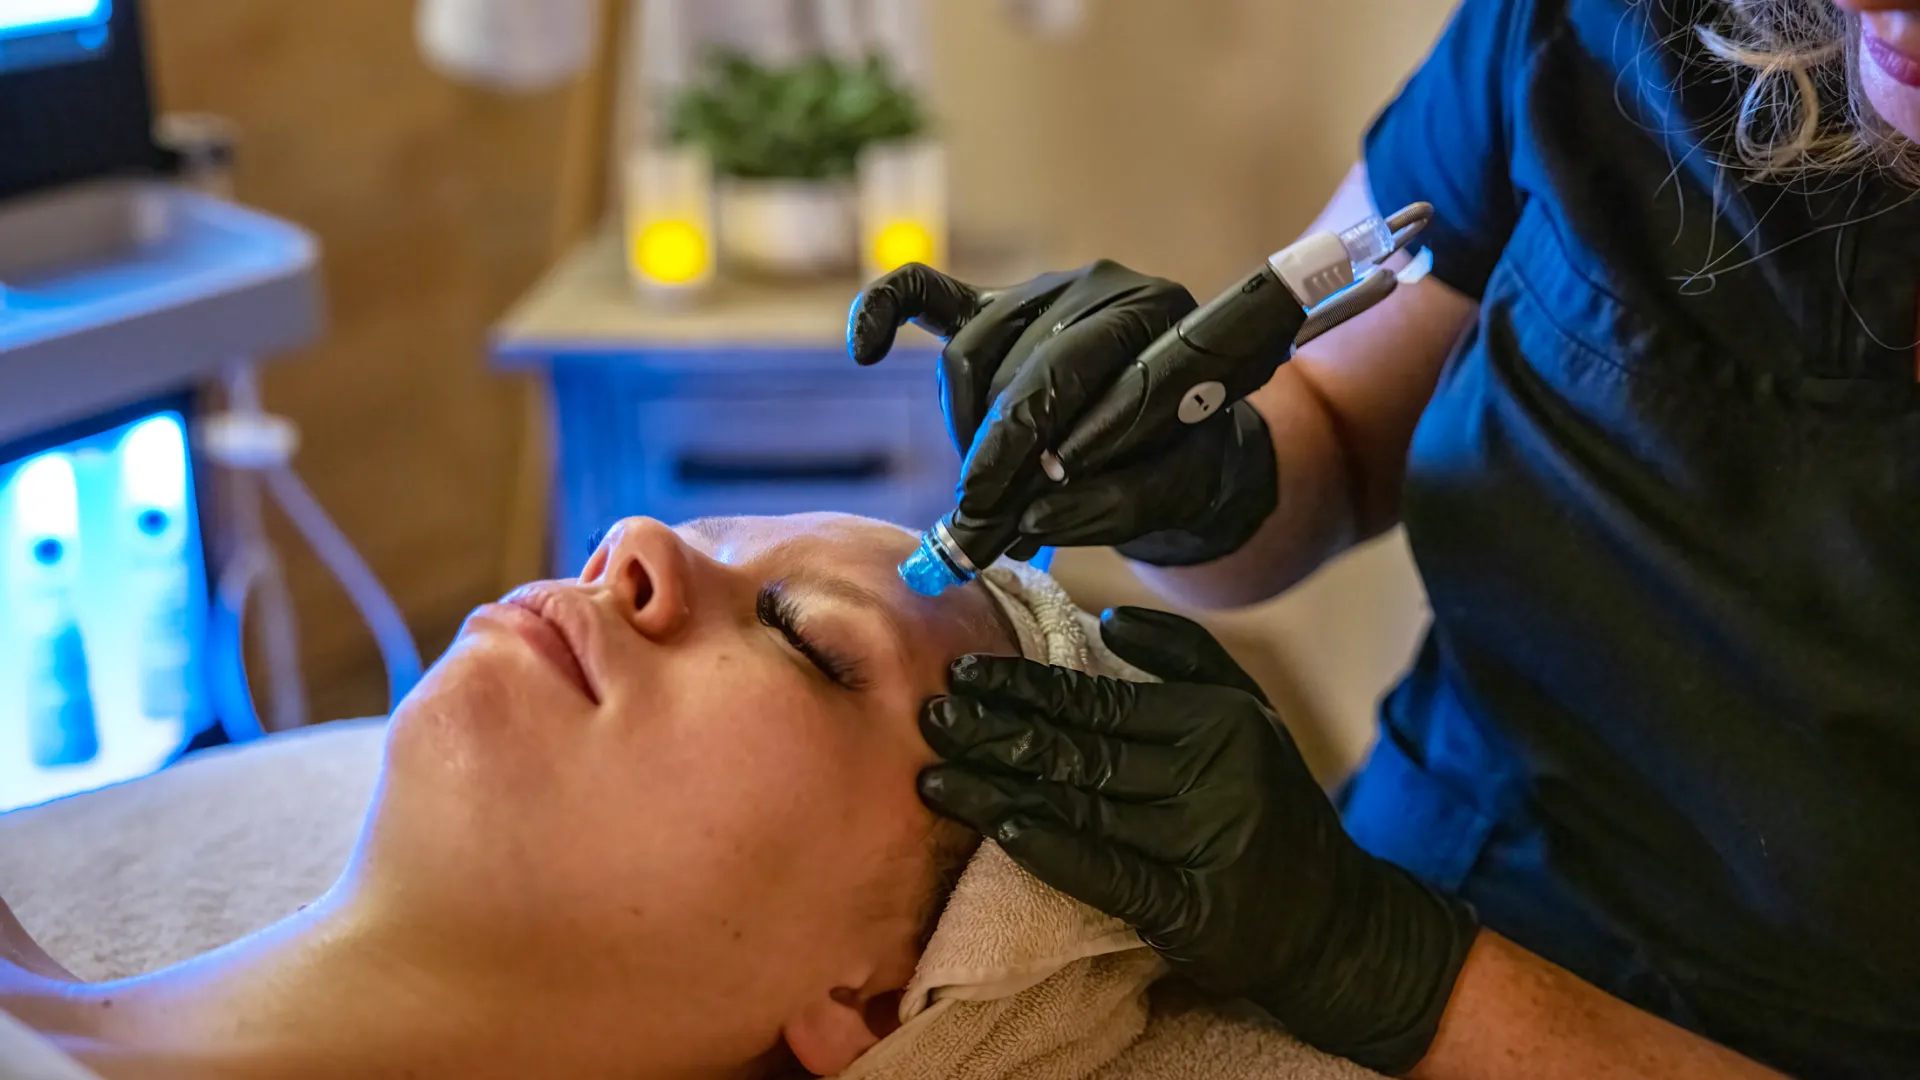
pixel 742 401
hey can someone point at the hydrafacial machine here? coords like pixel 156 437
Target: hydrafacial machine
pixel 125 296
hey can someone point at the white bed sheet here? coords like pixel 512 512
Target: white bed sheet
pixel 144 874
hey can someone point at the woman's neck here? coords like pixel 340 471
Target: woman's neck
pixel 329 992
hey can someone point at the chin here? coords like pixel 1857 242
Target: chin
pixel 1897 103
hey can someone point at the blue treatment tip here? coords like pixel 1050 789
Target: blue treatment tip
pixel 926 572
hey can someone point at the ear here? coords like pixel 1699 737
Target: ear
pixel 828 1033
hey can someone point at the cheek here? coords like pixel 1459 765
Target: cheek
pixel 477 710
pixel 779 785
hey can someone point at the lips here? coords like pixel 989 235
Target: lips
pixel 1900 66
pixel 527 615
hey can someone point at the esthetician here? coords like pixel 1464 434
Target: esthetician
pixel 1648 803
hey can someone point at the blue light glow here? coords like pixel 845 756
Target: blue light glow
pixel 154 464
pixel 926 573
pixel 21 18
pixel 46 501
pixel 103 610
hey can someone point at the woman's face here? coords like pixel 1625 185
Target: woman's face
pixel 692 766
pixel 1890 59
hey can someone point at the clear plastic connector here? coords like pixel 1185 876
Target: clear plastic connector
pixel 1368 243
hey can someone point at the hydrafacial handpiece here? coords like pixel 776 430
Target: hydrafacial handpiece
pixel 1214 357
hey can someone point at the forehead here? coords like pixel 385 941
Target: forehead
pixel 854 543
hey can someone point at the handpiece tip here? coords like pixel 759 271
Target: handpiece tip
pixel 926 574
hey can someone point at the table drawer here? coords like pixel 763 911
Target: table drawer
pixel 718 455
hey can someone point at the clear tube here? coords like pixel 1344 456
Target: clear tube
pixel 254 573
pixel 1367 243
pixel 377 609
pixel 259 467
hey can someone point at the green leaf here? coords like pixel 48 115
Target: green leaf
pixel 806 121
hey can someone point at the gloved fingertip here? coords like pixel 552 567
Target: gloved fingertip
pixel 983 677
pixel 932 784
pixel 937 787
pixel 933 715
pixel 871 325
pixel 1156 641
pixel 1012 831
pixel 947 726
pixel 1127 617
pixel 969 670
pixel 1156 632
pixel 967 797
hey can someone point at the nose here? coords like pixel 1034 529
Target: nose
pixel 644 568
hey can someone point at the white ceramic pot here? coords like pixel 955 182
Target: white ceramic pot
pixel 787 228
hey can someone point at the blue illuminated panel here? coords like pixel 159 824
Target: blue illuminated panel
pixel 39 33
pixel 104 590
pixel 19 18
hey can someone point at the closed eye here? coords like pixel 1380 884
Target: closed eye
pixel 776 609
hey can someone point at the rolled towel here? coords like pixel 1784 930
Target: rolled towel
pixel 1021 981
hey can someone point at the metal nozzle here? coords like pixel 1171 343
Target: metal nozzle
pixel 1408 223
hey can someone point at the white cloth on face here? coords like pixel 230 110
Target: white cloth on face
pixel 1052 628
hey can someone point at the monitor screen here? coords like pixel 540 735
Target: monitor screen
pixel 73 93
pixel 103 582
pixel 37 33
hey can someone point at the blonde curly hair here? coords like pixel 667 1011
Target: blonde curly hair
pixel 1804 112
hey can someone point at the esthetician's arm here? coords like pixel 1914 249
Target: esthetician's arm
pixel 1514 1016
pixel 1341 416
pixel 1184 808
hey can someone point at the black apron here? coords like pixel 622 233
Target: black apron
pixel 1665 730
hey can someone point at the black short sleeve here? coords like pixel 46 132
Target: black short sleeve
pixel 1445 141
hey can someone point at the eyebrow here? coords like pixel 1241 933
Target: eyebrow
pixel 710 529
pixel 847 591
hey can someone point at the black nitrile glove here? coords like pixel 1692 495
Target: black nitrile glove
pixel 1183 808
pixel 1019 366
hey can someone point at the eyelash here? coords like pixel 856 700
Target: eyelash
pixel 777 610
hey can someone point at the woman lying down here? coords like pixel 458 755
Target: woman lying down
pixel 660 821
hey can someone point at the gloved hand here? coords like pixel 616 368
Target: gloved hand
pixel 1019 366
pixel 1184 808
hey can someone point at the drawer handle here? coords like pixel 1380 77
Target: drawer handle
pixel 723 470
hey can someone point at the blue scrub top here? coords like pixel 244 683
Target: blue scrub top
pixel 1666 503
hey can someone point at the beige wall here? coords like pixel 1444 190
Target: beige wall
pixel 1188 137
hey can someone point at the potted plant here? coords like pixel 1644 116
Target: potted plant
pixel 784 142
